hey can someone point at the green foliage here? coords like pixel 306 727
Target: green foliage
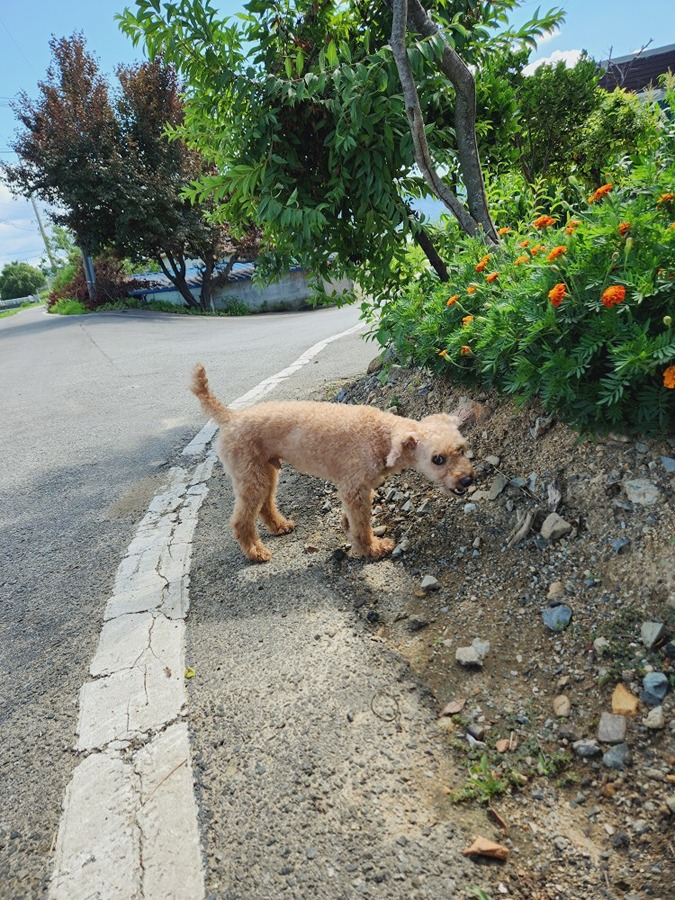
pixel 67 306
pixel 18 279
pixel 298 106
pixel 483 783
pixel 545 326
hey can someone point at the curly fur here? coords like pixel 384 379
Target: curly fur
pixel 355 447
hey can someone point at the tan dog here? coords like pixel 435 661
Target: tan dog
pixel 355 447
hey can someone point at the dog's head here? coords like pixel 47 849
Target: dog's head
pixel 435 448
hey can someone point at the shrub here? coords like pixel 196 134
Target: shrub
pixel 18 279
pixel 67 307
pixel 112 284
pixel 576 307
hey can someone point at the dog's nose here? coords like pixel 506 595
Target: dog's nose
pixel 466 481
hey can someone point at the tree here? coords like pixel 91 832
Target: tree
pixel 113 171
pixel 300 108
pixel 18 279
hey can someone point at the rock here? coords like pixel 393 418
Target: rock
pixel 650 633
pixel 429 583
pixel 656 683
pixel 670 803
pixel 601 645
pixel 554 527
pixel 624 703
pixel 617 757
pixel 473 655
pixel 556 590
pixel 586 748
pixel 668 464
pixel 494 460
pixel 557 618
pixel 469 507
pixel 612 728
pixel 641 491
pixel 669 649
pixel 470 413
pixel 541 426
pixel 561 706
pixel 655 720
pixel 498 484
pixel 375 364
pixel 620 544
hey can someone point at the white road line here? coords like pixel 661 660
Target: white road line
pixel 129 826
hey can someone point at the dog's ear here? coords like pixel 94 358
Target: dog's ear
pixel 400 448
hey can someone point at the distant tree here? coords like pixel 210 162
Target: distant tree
pixel 112 171
pixel 18 279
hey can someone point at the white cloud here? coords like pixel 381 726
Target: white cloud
pixel 548 36
pixel 569 57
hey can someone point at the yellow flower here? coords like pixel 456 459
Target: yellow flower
pixel 572 226
pixel 504 230
pixel 623 228
pixel 493 276
pixel 524 244
pixel 543 222
pixel 466 350
pixel 600 193
pixel 665 198
pixel 471 289
pixel 466 321
pixel 521 259
pixel 443 353
pixel 556 252
pixel 483 263
pixel 452 300
pixel 669 377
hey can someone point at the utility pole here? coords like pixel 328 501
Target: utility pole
pixel 52 261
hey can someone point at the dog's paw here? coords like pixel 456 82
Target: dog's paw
pixel 258 553
pixel 283 526
pixel 377 548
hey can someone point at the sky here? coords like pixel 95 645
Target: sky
pixel 604 28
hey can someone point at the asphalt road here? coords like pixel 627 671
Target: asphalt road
pixel 93 411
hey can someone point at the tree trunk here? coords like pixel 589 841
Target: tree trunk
pixel 477 216
pixel 431 254
pixel 175 272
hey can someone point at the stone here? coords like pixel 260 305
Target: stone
pixel 655 720
pixel 429 583
pixel 561 706
pixel 557 618
pixel 586 748
pixel 497 485
pixel 624 703
pixel 656 683
pixel 601 645
pixel 473 655
pixel 617 757
pixel 668 464
pixel 554 527
pixel 641 491
pixel 556 590
pixel 650 633
pixel 612 728
pixel 469 507
pixel 494 460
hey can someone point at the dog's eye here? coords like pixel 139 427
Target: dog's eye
pixel 438 460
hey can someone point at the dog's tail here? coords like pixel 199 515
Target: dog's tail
pixel 210 404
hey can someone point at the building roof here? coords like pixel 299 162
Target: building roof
pixel 158 283
pixel 638 71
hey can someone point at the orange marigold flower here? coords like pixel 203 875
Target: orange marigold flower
pixel 557 294
pixel 668 377
pixel 556 252
pixel 466 351
pixel 503 230
pixel 466 320
pixel 572 226
pixel 624 227
pixel 543 222
pixel 665 198
pixel 443 353
pixel 524 244
pixel 612 295
pixel 452 300
pixel 493 276
pixel 600 193
pixel 471 289
pixel 483 263
pixel 521 259
pixel 537 249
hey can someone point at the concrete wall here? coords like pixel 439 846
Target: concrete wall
pixel 290 292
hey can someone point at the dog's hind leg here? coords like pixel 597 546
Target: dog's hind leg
pixel 356 505
pixel 249 498
pixel 269 513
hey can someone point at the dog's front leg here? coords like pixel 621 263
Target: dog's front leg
pixel 356 506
